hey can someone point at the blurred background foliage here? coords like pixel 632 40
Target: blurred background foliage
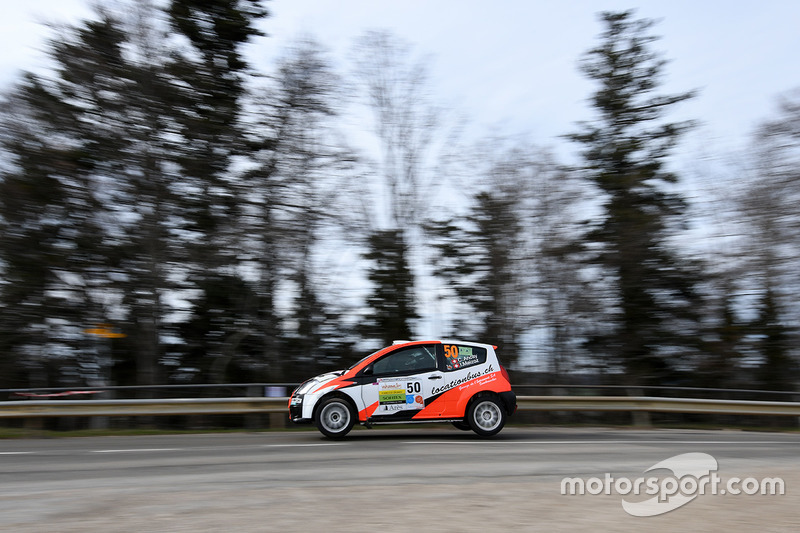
pixel 229 225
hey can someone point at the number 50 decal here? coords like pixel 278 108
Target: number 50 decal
pixel 413 387
pixel 451 351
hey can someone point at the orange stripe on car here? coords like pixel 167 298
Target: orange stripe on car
pixel 366 413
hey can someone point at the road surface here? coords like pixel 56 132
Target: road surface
pixel 381 480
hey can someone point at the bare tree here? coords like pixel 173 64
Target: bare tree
pixel 503 257
pixel 406 126
pixel 771 206
pixel 289 197
pixel 405 121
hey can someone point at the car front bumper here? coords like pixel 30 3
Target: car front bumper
pixel 296 404
pixel 296 408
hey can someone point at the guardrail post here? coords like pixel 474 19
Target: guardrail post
pixel 101 422
pixel 640 418
pixel 253 421
pixel 796 399
pixel 277 420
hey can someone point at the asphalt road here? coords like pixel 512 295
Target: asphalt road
pixel 427 479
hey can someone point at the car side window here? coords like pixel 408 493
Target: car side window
pixel 409 360
pixel 458 356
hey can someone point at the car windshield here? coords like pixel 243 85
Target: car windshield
pixel 363 359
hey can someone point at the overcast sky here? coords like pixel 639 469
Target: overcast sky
pixel 511 64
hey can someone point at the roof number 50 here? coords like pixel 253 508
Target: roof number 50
pixel 451 351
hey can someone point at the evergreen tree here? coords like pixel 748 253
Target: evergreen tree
pixel 392 300
pixel 477 257
pixel 777 369
pixel 722 351
pixel 118 128
pixel 95 126
pixel 767 205
pixel 288 197
pixel 406 127
pixel 212 73
pixel 220 342
pixel 46 204
pixel 625 152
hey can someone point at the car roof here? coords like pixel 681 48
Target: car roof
pixel 439 341
pixel 401 343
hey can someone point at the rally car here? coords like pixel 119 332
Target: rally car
pixel 421 381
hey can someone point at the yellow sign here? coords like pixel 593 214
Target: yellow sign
pixel 105 331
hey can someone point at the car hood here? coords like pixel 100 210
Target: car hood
pixel 322 378
pixel 318 380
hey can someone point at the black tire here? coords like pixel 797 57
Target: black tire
pixel 486 416
pixel 463 426
pixel 335 418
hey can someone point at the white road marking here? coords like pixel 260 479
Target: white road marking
pixel 595 442
pixel 133 450
pixel 148 450
pixel 450 442
pixel 303 445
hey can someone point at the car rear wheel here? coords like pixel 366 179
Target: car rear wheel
pixel 486 416
pixel 335 418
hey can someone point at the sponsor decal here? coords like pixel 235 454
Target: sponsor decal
pixel 459 356
pixel 391 396
pixel 468 360
pixel 487 379
pixel 398 395
pixel 465 379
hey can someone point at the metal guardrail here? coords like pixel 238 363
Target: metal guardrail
pixel 648 404
pixel 155 407
pixel 250 405
pixel 225 390
pixel 173 387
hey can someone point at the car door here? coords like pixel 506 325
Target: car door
pixel 400 383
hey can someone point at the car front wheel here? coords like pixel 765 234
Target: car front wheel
pixel 335 418
pixel 486 416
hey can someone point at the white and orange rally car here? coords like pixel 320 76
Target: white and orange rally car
pixel 421 381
